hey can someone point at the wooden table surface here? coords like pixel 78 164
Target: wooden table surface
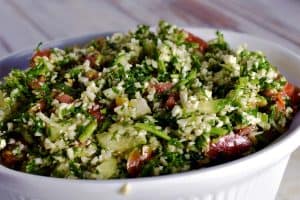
pixel 24 23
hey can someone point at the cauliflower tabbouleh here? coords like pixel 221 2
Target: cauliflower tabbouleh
pixel 141 104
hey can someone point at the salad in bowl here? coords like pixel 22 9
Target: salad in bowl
pixel 142 103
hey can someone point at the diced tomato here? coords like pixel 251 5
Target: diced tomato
pixel 289 89
pixel 278 97
pixel 280 101
pixel 269 93
pixel 93 59
pixel 95 112
pixel 162 87
pixel 134 163
pixel 37 83
pixel 245 131
pixel 195 39
pixel 136 159
pixel 64 98
pixel 42 53
pixel 171 101
pixel 39 107
pixel 42 105
pixel 294 94
pixel 229 146
pixel 39 53
pixel 8 158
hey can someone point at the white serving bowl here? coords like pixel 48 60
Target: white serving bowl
pixel 254 177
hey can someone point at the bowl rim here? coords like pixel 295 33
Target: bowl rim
pixel 287 141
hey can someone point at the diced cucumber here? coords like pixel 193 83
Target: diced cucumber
pixel 61 170
pixel 191 76
pixel 261 101
pixel 88 131
pixel 108 168
pixel 53 128
pixel 141 106
pixel 122 144
pixel 149 47
pixel 27 137
pixel 161 66
pixel 110 93
pixel 152 129
pixel 215 131
pixel 5 109
pixel 264 121
pixel 120 59
pixel 212 106
pixel 104 125
pixel 66 89
pixel 53 132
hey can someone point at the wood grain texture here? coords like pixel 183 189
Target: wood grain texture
pixel 259 15
pixel 67 18
pixel 43 20
pixel 16 32
pixel 25 23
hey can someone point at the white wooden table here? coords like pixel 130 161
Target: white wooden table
pixel 24 23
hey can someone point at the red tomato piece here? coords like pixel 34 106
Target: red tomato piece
pixel 8 158
pixel 289 89
pixel 37 83
pixel 39 53
pixel 172 100
pixel 134 163
pixel 294 94
pixel 42 53
pixel 195 39
pixel 64 98
pixel 95 112
pixel 136 160
pixel 245 131
pixel 270 93
pixel 162 87
pixel 92 59
pixel 280 102
pixel 229 146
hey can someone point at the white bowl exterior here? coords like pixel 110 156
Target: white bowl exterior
pixel 263 185
pixel 256 176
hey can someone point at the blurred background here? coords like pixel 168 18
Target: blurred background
pixel 25 23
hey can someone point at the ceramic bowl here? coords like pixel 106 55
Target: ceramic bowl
pixel 254 177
